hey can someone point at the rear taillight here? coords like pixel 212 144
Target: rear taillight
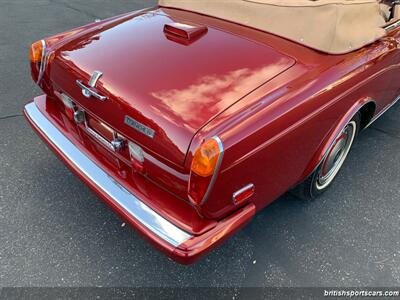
pixel 41 55
pixel 37 54
pixel 204 170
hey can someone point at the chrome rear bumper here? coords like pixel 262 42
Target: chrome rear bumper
pixel 122 197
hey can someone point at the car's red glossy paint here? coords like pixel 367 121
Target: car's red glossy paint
pixel 160 82
pixel 275 105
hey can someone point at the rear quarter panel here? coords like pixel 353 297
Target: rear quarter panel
pixel 274 137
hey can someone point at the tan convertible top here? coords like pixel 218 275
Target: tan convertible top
pixel 331 26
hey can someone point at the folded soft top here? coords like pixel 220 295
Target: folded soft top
pixel 331 26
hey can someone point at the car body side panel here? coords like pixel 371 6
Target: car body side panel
pixel 277 146
pixel 394 60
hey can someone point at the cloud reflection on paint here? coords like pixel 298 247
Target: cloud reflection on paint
pixel 212 94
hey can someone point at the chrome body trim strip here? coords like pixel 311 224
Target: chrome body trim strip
pixel 43 62
pixel 392 26
pixel 122 197
pixel 383 111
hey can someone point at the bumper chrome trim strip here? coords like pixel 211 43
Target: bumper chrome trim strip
pixel 122 197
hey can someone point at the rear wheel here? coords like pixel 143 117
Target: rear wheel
pixel 327 171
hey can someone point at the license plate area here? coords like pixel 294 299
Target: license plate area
pixel 104 131
pixel 101 133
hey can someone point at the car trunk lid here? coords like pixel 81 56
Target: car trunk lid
pixel 163 83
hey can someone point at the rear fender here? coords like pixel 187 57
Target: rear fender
pixel 330 138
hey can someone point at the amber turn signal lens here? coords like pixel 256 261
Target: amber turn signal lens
pixel 36 51
pixel 206 158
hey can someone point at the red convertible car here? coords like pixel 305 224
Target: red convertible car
pixel 189 117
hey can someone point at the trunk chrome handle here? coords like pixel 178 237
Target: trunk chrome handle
pixel 88 92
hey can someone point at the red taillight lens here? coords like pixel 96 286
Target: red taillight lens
pixel 206 161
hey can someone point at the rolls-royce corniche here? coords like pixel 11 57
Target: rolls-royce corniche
pixel 189 117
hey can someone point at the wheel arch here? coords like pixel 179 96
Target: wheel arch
pixel 367 113
pixel 366 106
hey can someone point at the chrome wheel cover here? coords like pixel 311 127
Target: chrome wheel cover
pixel 336 156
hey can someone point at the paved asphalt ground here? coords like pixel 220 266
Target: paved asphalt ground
pixel 54 231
